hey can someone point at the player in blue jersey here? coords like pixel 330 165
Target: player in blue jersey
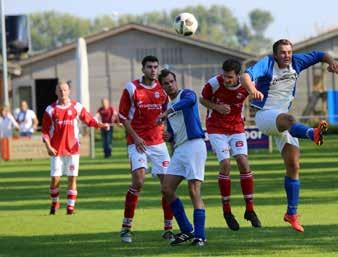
pixel 271 83
pixel 188 161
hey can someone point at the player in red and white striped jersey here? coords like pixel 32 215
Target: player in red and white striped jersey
pixel 142 101
pixel 223 95
pixel 60 133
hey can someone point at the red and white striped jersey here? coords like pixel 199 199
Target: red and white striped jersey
pixel 60 124
pixel 216 92
pixel 142 105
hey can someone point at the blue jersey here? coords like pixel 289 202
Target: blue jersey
pixel 184 123
pixel 279 85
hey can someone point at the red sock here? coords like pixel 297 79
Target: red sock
pixel 224 184
pixel 168 215
pixel 247 184
pixel 130 206
pixel 71 199
pixel 54 195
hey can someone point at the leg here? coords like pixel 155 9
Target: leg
pixel 286 121
pixel 110 139
pixel 246 179
pixel 290 154
pixel 199 211
pixel 137 181
pixel 71 194
pixel 160 159
pixel 54 194
pixel 224 184
pixel 167 212
pixel 169 186
pixel 105 143
pixel 132 196
pixel 55 174
pixel 247 185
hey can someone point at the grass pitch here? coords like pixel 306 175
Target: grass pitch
pixel 27 230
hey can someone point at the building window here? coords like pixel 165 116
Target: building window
pixel 172 55
pixel 142 52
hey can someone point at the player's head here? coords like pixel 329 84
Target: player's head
pixel 150 66
pixel 167 79
pixel 231 72
pixel 63 90
pixel 282 52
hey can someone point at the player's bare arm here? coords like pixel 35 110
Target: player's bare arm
pixel 250 87
pixel 50 149
pixel 138 141
pixel 167 136
pixel 163 116
pixel 221 108
pixel 333 64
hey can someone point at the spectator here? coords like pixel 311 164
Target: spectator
pixel 27 120
pixel 107 114
pixel 7 122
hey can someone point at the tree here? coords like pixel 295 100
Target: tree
pixel 52 29
pixel 217 24
pixel 260 20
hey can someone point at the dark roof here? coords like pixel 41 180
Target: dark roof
pixel 147 29
pixel 315 40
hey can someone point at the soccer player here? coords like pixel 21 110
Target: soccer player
pixel 60 134
pixel 271 82
pixel 141 103
pixel 188 161
pixel 223 95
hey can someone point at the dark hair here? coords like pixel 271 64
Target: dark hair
pixel 164 73
pixel 232 65
pixel 280 42
pixel 149 58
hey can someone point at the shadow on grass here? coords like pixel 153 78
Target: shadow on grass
pixel 270 241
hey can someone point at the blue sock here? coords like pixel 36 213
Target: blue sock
pixel 292 187
pixel 199 223
pixel 300 130
pixel 180 216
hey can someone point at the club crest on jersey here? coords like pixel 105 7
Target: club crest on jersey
pixel 165 164
pixel 157 94
pixel 141 160
pixel 69 112
pixel 239 144
pixel 239 96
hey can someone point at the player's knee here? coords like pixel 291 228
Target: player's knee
pixel 137 185
pixel 225 167
pixel 285 121
pixel 292 166
pixel 167 191
pixel 242 163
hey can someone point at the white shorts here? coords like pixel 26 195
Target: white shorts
pixel 266 122
pixel 223 145
pixel 64 165
pixel 157 154
pixel 188 160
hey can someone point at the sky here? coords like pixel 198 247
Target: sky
pixel 293 19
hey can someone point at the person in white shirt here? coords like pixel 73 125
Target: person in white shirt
pixel 27 120
pixel 7 123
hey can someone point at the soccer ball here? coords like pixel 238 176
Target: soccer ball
pixel 186 24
